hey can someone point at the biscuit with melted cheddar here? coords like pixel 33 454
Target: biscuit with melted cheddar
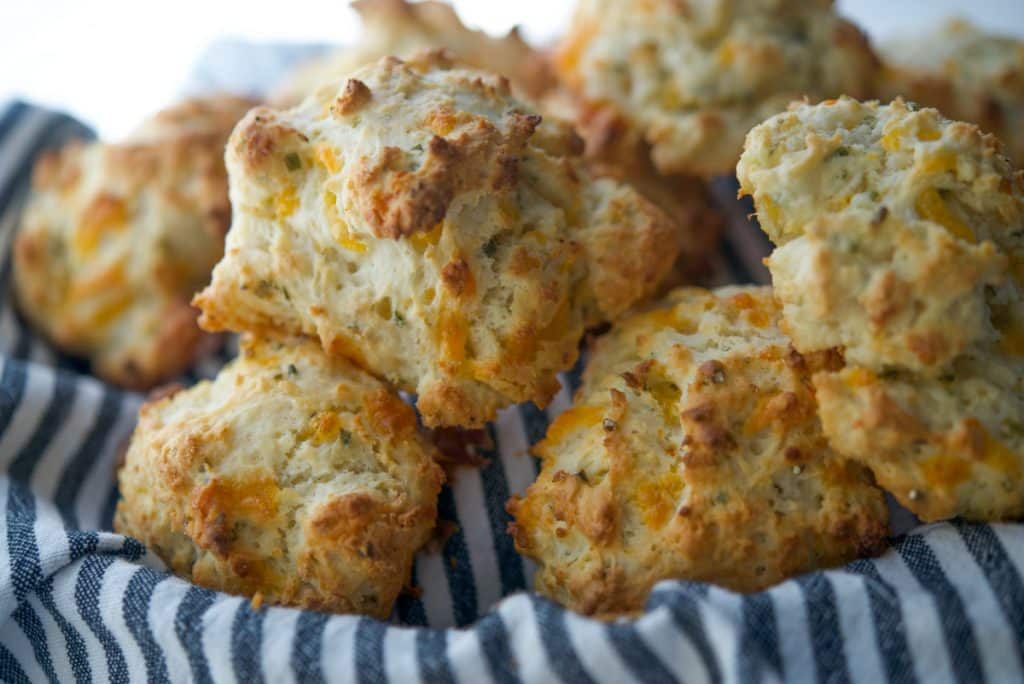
pixel 292 477
pixel 116 238
pixel 693 450
pixel 691 78
pixel 900 233
pixel 945 446
pixel 423 222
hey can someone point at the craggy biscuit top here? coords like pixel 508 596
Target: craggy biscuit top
pixel 685 199
pixel 845 155
pixel 945 446
pixel 892 295
pixel 424 223
pixel 116 238
pixel 292 476
pixel 692 450
pixel 964 72
pixel 900 233
pixel 692 77
pixel 400 28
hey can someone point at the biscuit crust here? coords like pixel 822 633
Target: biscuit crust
pixel 964 72
pixel 685 199
pixel 693 450
pixel 292 476
pixel 424 223
pixel 690 79
pixel 116 238
pixel 900 233
pixel 401 29
pixel 945 446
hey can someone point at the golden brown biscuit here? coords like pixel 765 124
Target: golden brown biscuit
pixel 947 446
pixel 965 73
pixel 292 476
pixel 691 78
pixel 401 29
pixel 117 238
pixel 424 223
pixel 693 450
pixel 900 233
pixel 687 200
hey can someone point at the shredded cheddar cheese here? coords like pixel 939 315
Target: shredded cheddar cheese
pixel 342 233
pixel 328 159
pixel 657 498
pixel 285 203
pixel 103 214
pixel 573 419
pixel 932 207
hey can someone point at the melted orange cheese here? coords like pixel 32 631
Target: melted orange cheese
pixel 107 279
pixel 892 140
pixel 339 228
pixel 328 158
pixel 999 457
pixel 324 427
pixel 111 309
pixel 252 497
pixel 573 419
pixel 568 56
pixel 285 203
pixel 666 394
pixel 760 417
pixel 932 207
pixel 769 210
pixel 726 53
pixel 944 471
pixel 103 214
pixel 657 498
pixel 939 162
pixel 452 336
pixel 860 377
pixel 424 239
pixel 341 345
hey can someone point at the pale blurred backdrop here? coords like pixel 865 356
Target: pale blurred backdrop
pixel 110 62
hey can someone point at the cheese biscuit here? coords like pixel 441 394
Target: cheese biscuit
pixel 693 450
pixel 292 476
pixel 116 238
pixel 423 222
pixel 900 233
pixel 691 78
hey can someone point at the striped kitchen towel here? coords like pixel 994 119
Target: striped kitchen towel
pixel 77 602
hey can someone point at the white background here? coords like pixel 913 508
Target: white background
pixel 110 62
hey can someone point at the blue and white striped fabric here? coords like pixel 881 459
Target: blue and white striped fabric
pixel 945 604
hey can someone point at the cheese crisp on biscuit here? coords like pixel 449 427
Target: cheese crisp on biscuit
pixel 424 223
pixel 693 450
pixel 292 476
